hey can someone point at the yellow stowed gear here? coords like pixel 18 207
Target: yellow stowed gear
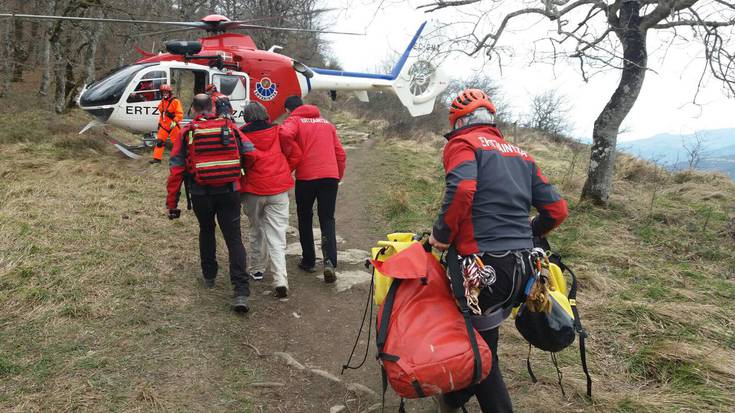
pixel 170 114
pixel 397 242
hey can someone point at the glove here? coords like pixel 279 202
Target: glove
pixel 174 213
pixel 160 143
pixel 173 125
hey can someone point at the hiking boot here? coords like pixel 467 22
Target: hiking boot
pixel 307 268
pixel 240 304
pixel 442 406
pixel 154 161
pixel 281 292
pixel 257 276
pixel 330 275
pixel 208 283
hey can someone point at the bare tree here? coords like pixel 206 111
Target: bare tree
pixel 606 34
pixel 694 150
pixel 7 64
pixel 550 113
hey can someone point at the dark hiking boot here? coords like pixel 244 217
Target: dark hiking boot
pixel 154 161
pixel 281 292
pixel 240 304
pixel 307 268
pixel 208 283
pixel 330 274
pixel 257 276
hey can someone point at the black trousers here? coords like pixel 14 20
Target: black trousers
pixel 226 208
pixel 491 393
pixel 324 192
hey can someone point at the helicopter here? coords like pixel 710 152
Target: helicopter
pixel 128 97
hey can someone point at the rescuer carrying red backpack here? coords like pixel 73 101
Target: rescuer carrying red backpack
pixel 170 114
pixel 208 160
pixel 491 186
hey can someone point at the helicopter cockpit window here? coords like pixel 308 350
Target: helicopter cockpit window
pixel 158 74
pixel 110 89
pixel 147 90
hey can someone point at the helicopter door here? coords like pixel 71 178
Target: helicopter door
pixel 186 83
pixel 235 86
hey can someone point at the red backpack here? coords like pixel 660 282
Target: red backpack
pixel 426 345
pixel 213 152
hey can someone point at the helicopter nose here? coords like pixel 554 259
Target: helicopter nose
pixel 101 114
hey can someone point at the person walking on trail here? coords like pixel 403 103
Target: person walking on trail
pixel 318 174
pixel 207 160
pixel 170 113
pixel 265 195
pixel 491 186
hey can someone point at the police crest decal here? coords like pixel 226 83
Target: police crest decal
pixel 266 89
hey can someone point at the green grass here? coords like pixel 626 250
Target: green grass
pixel 651 278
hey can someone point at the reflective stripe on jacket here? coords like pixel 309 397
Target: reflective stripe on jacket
pixel 179 161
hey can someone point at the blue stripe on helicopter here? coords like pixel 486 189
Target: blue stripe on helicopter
pixel 392 76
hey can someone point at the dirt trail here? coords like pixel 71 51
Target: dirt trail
pixel 318 323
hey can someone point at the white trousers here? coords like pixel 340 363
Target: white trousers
pixel 268 215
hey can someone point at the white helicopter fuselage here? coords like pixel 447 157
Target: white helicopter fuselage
pixel 138 97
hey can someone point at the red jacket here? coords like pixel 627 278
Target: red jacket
pixel 323 156
pixel 178 162
pixel 269 170
pixel 491 186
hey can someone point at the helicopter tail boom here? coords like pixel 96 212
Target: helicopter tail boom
pixel 416 82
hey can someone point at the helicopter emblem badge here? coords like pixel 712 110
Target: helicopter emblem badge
pixel 266 89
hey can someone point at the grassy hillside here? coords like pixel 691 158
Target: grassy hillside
pixel 656 269
pixel 102 310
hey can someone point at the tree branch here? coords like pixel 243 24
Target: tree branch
pixel 444 4
pixel 694 23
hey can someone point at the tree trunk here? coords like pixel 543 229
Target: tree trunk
pixel 46 65
pixel 94 40
pixel 598 186
pixel 59 72
pixel 7 65
pixel 21 51
pixel 46 53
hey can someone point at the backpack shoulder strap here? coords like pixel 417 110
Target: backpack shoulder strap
pixel 572 296
pixel 456 279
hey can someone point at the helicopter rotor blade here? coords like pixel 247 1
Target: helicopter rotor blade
pixel 286 16
pixel 240 25
pixel 195 25
pixel 156 33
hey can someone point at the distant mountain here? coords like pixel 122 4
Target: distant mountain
pixel 718 149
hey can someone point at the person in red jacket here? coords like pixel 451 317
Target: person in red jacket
pixel 265 195
pixel 491 186
pixel 209 165
pixel 318 173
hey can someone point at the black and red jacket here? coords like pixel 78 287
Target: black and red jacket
pixel 178 162
pixel 490 188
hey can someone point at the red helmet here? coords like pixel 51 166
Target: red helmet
pixel 210 87
pixel 165 88
pixel 467 102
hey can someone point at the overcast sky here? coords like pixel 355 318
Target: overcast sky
pixel 665 103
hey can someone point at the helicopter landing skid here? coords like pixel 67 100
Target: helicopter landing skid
pixel 125 149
